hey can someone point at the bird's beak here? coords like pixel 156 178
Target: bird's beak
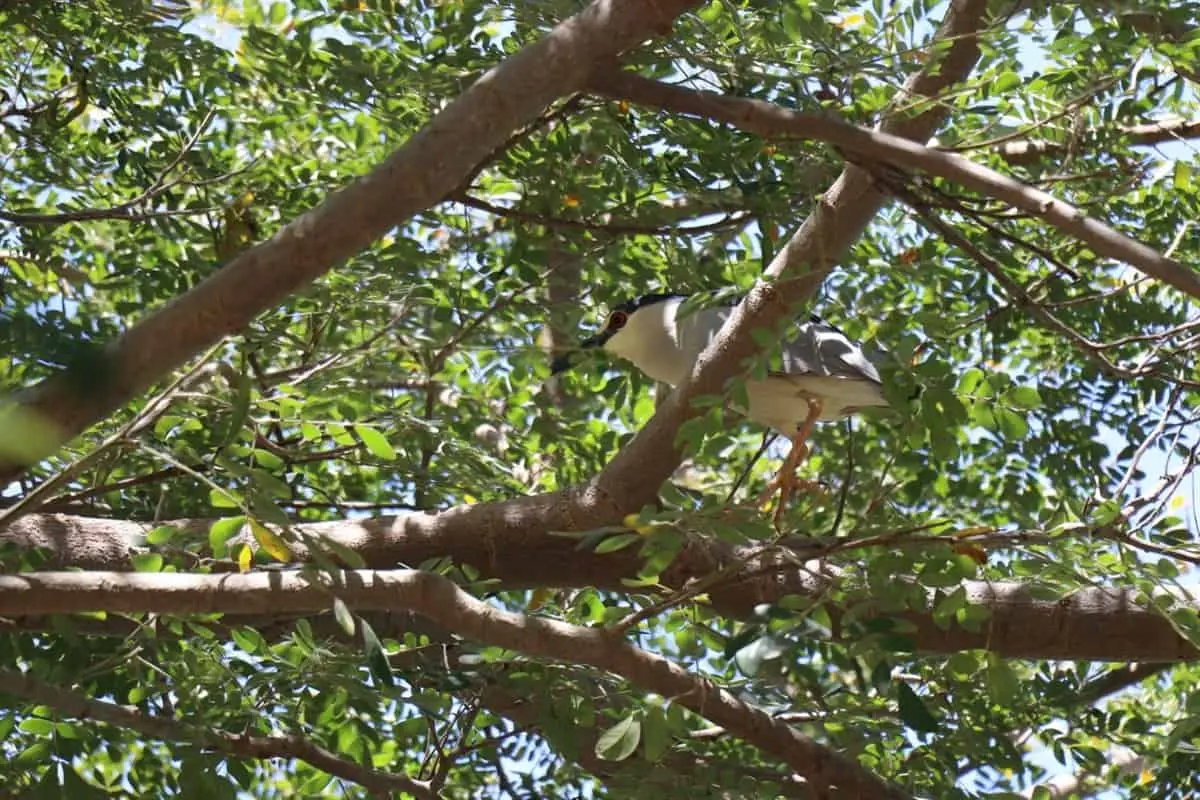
pixel 566 360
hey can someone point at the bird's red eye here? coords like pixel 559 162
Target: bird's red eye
pixel 617 320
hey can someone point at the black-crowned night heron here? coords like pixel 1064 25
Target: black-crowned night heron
pixel 823 376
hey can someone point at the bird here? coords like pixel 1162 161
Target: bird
pixel 824 375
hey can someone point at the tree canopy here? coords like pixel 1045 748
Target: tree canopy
pixel 293 506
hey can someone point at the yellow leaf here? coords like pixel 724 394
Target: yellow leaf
pixel 245 558
pixel 539 597
pixel 1145 777
pixel 963 533
pixel 974 552
pixel 851 21
pixel 469 499
pixel 269 540
pixel 632 522
pixel 1177 502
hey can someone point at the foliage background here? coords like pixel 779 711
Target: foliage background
pixel 1053 442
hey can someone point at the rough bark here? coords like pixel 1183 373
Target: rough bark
pixel 1091 624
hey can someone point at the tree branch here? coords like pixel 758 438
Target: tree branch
pixel 240 745
pixel 766 119
pixel 429 166
pixel 1099 624
pixel 440 600
pixel 1028 151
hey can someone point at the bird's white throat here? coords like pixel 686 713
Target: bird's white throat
pixel 650 340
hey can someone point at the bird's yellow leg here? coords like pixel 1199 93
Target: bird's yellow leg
pixel 785 481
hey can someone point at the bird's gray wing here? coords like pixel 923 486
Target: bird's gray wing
pixel 822 349
pixel 819 349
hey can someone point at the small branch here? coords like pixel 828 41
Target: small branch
pixel 239 745
pixel 1018 293
pixel 1174 130
pixel 729 220
pixel 128 211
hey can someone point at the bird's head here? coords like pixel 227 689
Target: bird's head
pixel 630 327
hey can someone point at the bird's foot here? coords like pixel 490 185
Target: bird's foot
pixel 785 485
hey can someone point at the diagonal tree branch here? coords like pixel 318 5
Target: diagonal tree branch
pixel 766 119
pixel 632 478
pixel 439 599
pixel 240 745
pixel 429 166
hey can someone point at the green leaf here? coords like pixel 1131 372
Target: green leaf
pixel 241 410
pixel 621 740
pixel 963 665
pixel 222 531
pixel 376 442
pixel 1183 176
pixel 224 498
pixel 147 562
pixel 271 484
pixel 617 542
pixel 1012 424
pixel 1025 398
pixel 37 726
pixel 342 614
pixel 1002 681
pixel 655 733
pixel 969 380
pixel 161 535
pixel 248 639
pixel 377 660
pixel 1004 82
pixel 750 658
pixel 36 755
pixel 913 711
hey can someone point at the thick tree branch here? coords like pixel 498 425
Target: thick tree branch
pixel 439 599
pixel 769 120
pixel 429 166
pixel 240 745
pixel 1092 624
